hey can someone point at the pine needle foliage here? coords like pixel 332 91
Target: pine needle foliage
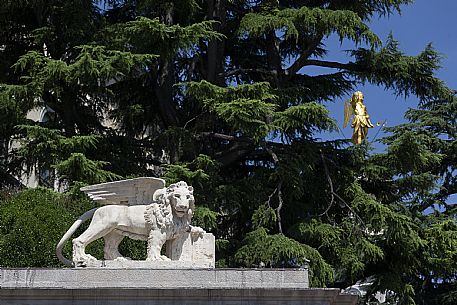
pixel 171 37
pixel 279 251
pixel 78 168
pixel 296 22
pixel 51 150
pixel 412 74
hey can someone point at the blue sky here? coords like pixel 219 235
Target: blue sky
pixel 420 23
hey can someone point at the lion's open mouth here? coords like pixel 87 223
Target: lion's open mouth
pixel 180 212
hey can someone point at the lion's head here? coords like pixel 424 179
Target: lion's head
pixel 180 197
pixel 177 199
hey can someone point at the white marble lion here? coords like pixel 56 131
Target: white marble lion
pixel 143 209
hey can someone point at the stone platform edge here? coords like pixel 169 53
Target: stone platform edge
pixel 93 278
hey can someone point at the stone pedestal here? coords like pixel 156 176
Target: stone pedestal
pixel 188 248
pixel 106 286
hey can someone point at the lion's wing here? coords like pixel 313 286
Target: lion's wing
pixel 125 192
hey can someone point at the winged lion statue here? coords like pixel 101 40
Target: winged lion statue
pixel 139 208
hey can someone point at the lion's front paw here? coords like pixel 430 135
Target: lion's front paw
pixel 197 231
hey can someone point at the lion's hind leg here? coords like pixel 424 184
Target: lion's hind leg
pixel 112 241
pixel 96 230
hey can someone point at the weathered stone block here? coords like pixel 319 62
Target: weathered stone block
pixel 191 248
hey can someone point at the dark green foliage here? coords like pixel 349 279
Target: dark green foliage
pixel 219 93
pixel 134 249
pixel 296 23
pixel 78 168
pixel 51 150
pixel 264 217
pixel 205 218
pixel 31 224
pixel 152 34
pixel 279 251
pixel 405 75
pixel 33 221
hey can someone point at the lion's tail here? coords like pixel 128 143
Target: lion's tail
pixel 68 234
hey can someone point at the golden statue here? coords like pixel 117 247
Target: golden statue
pixel 361 121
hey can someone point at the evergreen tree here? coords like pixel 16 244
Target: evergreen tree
pixel 217 93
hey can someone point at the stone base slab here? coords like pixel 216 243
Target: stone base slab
pixel 95 286
pixel 79 278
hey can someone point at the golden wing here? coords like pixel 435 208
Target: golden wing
pixel 348 112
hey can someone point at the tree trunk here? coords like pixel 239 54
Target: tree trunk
pixel 165 81
pixel 216 10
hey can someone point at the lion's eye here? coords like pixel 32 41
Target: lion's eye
pixel 188 196
pixel 177 195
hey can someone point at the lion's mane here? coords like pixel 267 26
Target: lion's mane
pixel 160 213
